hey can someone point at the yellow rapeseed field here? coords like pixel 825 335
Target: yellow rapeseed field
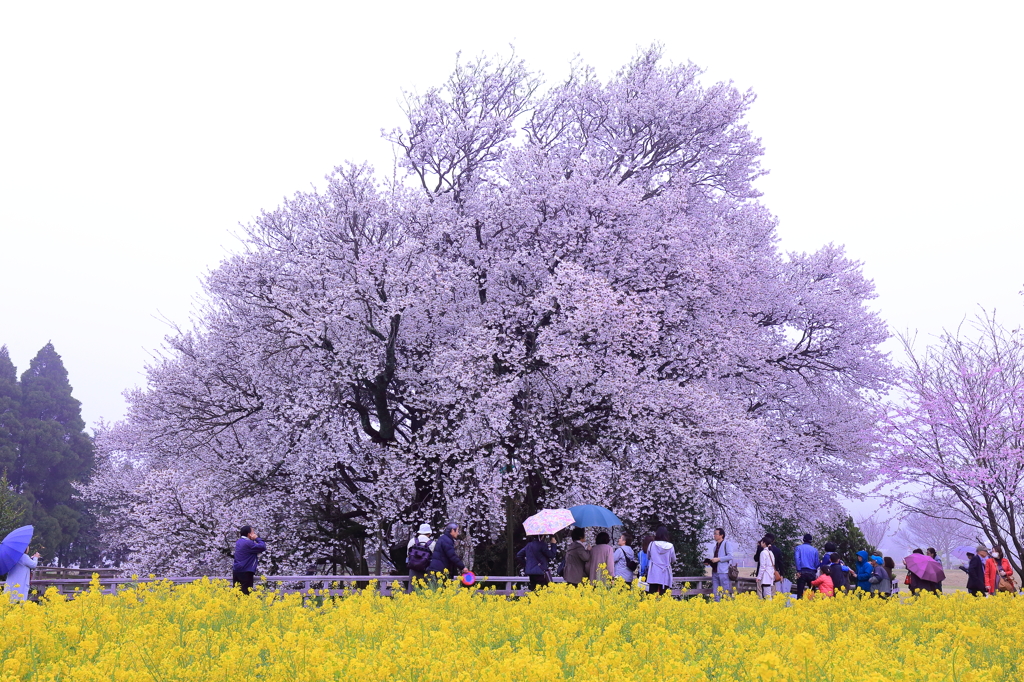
pixel 206 631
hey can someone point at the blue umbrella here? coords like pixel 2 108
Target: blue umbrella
pixel 591 515
pixel 13 547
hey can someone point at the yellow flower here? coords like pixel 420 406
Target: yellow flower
pixel 206 631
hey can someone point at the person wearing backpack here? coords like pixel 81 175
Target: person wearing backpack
pixel 625 560
pixel 419 553
pixel 723 569
pixel 536 556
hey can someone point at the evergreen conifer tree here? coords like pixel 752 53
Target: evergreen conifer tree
pixel 848 538
pixel 12 507
pixel 10 401
pixel 54 452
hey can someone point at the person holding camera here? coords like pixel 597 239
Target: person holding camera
pixel 724 570
pixel 18 578
pixel 248 547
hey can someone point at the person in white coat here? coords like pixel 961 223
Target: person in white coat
pixel 659 568
pixel 766 570
pixel 16 587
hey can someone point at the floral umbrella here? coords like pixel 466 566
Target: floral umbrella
pixel 548 521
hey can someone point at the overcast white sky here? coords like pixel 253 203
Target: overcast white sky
pixel 134 137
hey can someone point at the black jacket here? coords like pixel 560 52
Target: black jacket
pixel 840 578
pixel 976 574
pixel 536 556
pixel 444 557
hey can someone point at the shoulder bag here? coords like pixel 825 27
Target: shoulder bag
pixel 1005 582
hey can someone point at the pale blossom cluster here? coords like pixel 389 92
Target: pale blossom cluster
pixel 573 296
pixel 951 444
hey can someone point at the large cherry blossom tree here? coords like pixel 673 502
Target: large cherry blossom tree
pixel 570 294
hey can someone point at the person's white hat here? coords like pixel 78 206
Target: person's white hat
pixel 425 529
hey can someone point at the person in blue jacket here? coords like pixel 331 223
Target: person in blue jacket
pixel 248 548
pixel 807 561
pixel 864 571
pixel 536 555
pixel 445 560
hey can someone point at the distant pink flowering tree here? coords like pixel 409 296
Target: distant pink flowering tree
pixel 956 431
pixel 572 297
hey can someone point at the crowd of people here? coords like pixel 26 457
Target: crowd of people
pixel 825 572
pixel 818 572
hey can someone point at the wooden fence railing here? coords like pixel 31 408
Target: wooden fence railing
pixel 69 581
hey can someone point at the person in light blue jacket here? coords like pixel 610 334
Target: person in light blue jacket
pixel 623 557
pixel 16 586
pixel 720 561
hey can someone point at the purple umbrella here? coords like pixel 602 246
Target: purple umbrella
pixel 925 567
pixel 13 546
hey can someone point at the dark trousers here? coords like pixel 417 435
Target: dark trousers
pixel 415 575
pixel 655 588
pixel 803 582
pixel 243 578
pixel 538 580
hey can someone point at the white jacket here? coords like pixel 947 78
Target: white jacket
pixel 18 578
pixel 766 576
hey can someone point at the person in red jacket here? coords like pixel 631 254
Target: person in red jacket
pixel 824 583
pixel 995 566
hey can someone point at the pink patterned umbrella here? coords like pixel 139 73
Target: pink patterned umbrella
pixel 548 521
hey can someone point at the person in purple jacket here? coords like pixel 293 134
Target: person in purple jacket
pixel 248 547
